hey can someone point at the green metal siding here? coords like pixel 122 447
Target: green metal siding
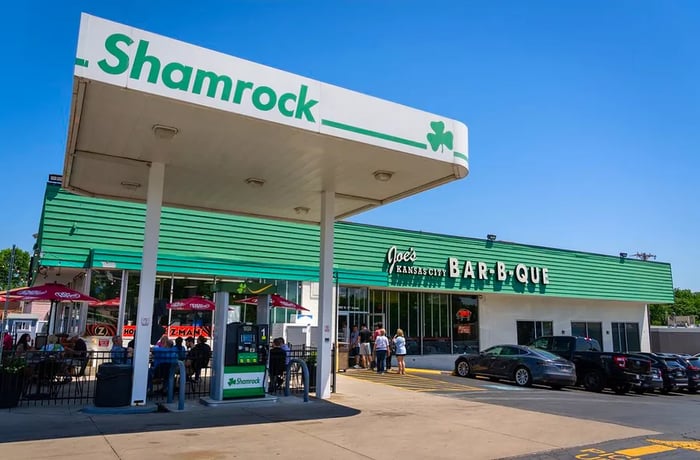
pixel 79 231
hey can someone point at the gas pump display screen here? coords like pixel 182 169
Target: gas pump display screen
pixel 247 338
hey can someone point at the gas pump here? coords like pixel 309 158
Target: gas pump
pixel 245 356
pixel 239 350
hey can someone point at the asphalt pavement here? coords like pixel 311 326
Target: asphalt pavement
pixel 363 420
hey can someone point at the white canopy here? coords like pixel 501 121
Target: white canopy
pixel 240 125
pixel 159 121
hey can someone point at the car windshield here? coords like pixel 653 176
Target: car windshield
pixel 544 353
pixel 671 362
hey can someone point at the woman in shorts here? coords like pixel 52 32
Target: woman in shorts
pixel 400 343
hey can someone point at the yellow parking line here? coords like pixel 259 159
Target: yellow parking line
pixel 413 382
pixel 423 371
pixel 644 450
pixel 690 445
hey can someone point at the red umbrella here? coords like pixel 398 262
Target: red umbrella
pixel 10 297
pixel 54 292
pixel 276 300
pixel 12 291
pixel 193 303
pixel 106 303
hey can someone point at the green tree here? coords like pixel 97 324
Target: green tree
pixel 685 303
pixel 20 269
pixel 658 314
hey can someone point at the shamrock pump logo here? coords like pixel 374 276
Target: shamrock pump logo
pixel 439 138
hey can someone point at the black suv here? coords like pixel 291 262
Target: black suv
pixel 692 368
pixel 672 371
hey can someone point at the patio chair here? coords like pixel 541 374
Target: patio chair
pixel 79 372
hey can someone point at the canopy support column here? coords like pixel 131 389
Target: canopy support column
pixel 325 300
pixel 154 202
pixel 123 290
pixel 219 343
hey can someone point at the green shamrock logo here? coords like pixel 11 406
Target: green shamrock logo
pixel 231 382
pixel 439 137
pixel 241 288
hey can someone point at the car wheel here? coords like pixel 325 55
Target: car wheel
pixel 463 369
pixel 665 390
pixel 593 381
pixel 522 377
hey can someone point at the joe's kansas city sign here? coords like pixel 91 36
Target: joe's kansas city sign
pixel 403 262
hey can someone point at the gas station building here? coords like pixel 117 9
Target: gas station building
pixel 185 167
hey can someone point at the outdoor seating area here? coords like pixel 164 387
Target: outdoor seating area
pixel 37 378
pixel 49 378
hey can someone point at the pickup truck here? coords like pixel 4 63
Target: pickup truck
pixel 595 369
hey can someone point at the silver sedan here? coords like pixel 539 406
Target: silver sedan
pixel 521 364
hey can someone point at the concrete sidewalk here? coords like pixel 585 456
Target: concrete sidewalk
pixel 364 420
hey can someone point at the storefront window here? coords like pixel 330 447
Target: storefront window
pixel 584 329
pixel 106 286
pixel 465 314
pixel 437 324
pixel 184 323
pixel 528 331
pixel 432 322
pixel 102 319
pixel 626 337
pixel 352 310
pixel 288 290
pixel 248 313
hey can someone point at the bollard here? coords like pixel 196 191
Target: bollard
pixel 305 374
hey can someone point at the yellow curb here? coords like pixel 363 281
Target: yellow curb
pixel 425 371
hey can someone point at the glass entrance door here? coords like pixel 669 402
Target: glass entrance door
pixel 343 327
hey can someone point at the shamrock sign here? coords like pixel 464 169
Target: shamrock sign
pixel 439 137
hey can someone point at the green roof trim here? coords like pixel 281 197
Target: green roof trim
pixel 78 231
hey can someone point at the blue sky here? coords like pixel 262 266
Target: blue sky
pixel 583 115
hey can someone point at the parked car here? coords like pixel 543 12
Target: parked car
pixel 672 371
pixel 521 364
pixel 595 368
pixel 692 370
pixel 650 382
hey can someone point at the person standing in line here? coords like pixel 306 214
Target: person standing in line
pixel 355 347
pixel 400 343
pixel 381 348
pixel 375 334
pixel 365 346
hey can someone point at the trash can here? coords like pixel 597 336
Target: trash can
pixel 343 356
pixel 113 386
